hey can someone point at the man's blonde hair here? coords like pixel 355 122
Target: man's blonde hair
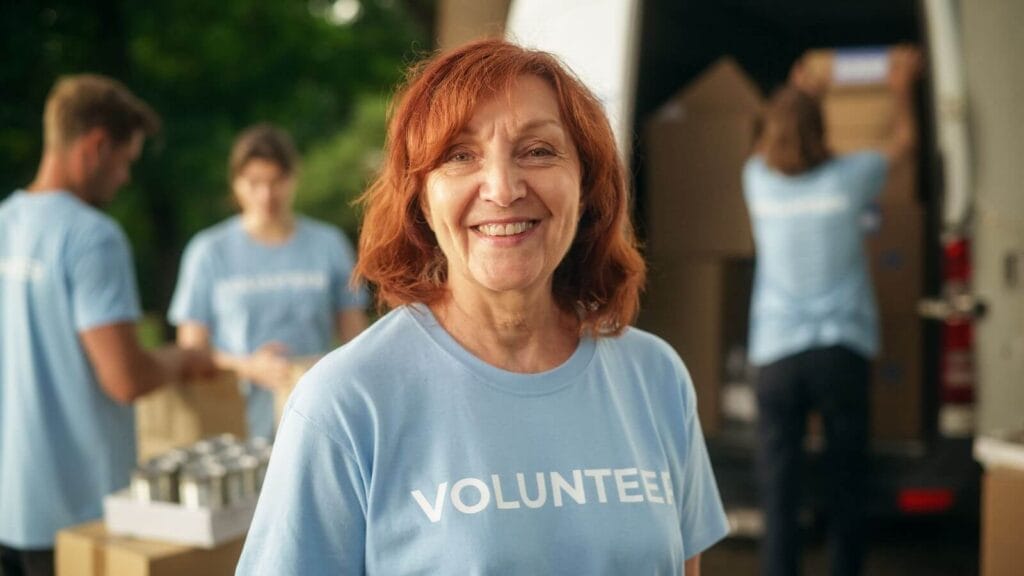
pixel 81 102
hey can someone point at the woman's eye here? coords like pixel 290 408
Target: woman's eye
pixel 459 156
pixel 539 152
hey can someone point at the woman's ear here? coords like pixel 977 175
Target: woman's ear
pixel 425 209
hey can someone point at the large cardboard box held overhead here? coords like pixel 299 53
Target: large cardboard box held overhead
pixel 89 550
pixel 859 110
pixel 697 144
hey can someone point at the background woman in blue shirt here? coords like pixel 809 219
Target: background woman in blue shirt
pixel 814 323
pixel 267 285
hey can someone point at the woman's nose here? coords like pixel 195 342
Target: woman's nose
pixel 502 183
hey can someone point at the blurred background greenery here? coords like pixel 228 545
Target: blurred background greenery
pixel 323 69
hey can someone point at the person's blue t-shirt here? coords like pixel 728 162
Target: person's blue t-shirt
pixel 248 294
pixel 402 453
pixel 65 268
pixel 811 283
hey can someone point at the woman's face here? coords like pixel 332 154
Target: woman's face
pixel 505 200
pixel 264 191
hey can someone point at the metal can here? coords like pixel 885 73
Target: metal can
pixel 257 444
pixel 222 441
pixel 203 448
pixel 234 489
pixel 262 462
pixel 154 481
pixel 202 485
pixel 231 452
pixel 248 467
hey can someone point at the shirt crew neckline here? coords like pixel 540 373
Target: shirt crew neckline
pixel 520 384
pixel 263 245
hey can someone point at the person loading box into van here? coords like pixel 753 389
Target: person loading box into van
pixel 70 362
pixel 814 323
pixel 266 285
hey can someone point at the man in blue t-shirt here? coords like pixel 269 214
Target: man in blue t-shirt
pixel 813 319
pixel 70 362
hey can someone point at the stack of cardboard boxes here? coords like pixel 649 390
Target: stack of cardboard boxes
pixel 699 242
pixel 170 417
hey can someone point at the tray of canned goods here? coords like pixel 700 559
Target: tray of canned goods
pixel 201 495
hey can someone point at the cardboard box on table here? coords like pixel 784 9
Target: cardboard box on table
pixel 179 415
pixel 88 550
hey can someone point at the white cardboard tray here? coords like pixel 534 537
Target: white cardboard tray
pixel 997 451
pixel 169 522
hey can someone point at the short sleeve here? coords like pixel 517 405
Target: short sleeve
pixel 866 171
pixel 702 517
pixel 311 515
pixel 192 300
pixel 102 280
pixel 345 296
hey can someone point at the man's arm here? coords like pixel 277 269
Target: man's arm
pixel 126 371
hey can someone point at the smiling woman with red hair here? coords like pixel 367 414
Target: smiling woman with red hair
pixel 502 417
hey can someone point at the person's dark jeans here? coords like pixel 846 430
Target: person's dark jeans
pixel 833 381
pixel 15 562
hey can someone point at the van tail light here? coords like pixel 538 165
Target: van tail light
pixel 956 357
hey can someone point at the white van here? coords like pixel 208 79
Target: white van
pixel 636 54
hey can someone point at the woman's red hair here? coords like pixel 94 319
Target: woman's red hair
pixel 601 276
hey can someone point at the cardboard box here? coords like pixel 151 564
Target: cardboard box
pixel 697 144
pixel 700 307
pixel 896 256
pixel 896 380
pixel 859 110
pixel 1002 521
pixel 175 416
pixel 88 550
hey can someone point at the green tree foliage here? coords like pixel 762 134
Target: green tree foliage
pixel 210 69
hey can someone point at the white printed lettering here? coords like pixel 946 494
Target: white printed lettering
pixel 666 481
pixel 433 513
pixel 599 475
pixel 650 488
pixel 542 490
pixel 460 504
pixel 623 485
pixel 575 490
pixel 499 499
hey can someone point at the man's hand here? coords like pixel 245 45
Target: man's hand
pixel 196 364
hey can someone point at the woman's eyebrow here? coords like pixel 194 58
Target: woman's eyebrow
pixel 534 124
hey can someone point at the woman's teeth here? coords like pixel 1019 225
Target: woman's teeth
pixel 510 229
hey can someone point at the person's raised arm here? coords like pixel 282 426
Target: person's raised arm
pixel 904 69
pixel 126 371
